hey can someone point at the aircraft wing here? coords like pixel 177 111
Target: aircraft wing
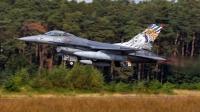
pixel 114 48
pixel 137 52
pixel 154 57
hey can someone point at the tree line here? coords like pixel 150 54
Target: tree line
pixel 105 21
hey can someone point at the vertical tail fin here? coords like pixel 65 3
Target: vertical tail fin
pixel 145 39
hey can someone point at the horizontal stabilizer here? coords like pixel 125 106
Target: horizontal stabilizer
pixel 152 57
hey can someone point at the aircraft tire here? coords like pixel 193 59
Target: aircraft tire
pixel 71 63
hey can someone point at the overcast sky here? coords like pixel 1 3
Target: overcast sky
pixel 136 1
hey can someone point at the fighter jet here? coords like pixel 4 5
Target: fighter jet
pixel 75 49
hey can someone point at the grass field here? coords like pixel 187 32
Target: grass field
pixel 185 101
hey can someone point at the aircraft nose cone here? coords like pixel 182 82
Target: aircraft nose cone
pixel 28 39
pixel 22 39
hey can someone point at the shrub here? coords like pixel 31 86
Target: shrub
pixel 118 87
pixel 23 73
pixel 189 86
pixel 167 88
pixel 141 86
pixel 51 79
pixel 57 76
pixel 123 87
pixel 13 84
pixel 192 87
pixel 41 80
pixel 155 87
pixel 41 83
pixel 152 87
pixel 110 87
pixel 197 86
pixel 4 75
pixel 84 78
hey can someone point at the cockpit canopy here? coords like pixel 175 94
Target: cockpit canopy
pixel 57 33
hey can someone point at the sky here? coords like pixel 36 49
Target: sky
pixel 88 1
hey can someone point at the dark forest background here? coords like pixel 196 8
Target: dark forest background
pixel 107 21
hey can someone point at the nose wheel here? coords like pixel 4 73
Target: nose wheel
pixel 71 63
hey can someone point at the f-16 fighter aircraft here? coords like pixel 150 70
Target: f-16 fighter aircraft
pixel 73 48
